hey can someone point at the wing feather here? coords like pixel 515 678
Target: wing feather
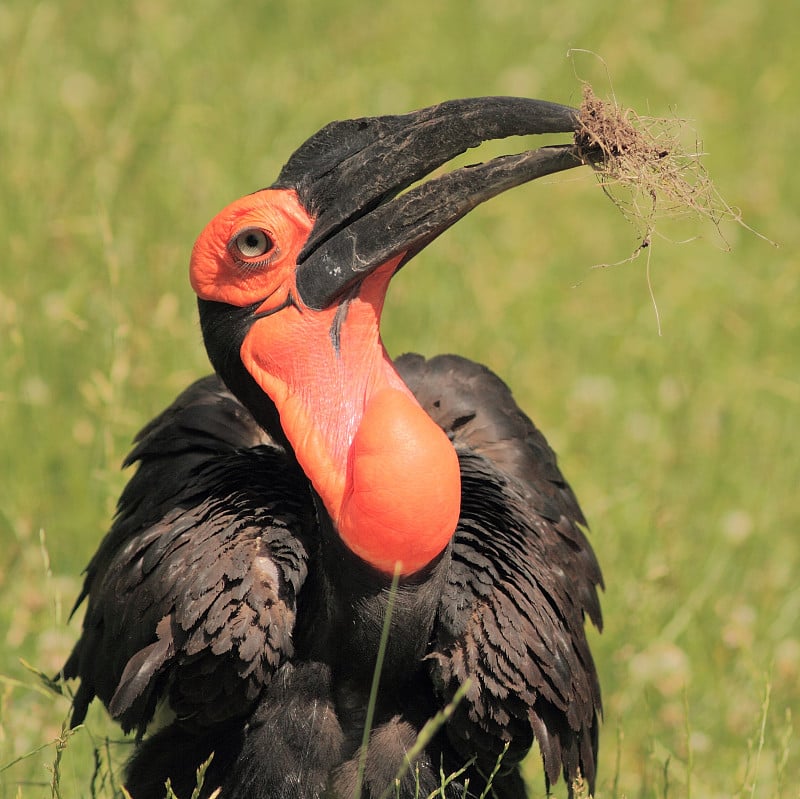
pixel 522 580
pixel 191 595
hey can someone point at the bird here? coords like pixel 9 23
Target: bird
pixel 332 573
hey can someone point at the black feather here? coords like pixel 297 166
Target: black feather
pixel 223 591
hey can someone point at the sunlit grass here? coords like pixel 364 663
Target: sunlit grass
pixel 124 129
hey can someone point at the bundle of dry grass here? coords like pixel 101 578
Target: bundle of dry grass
pixel 645 169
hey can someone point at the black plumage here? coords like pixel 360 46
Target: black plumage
pixel 194 596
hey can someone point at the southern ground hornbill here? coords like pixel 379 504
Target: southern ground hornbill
pixel 243 588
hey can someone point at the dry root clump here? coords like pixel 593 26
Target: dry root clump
pixel 643 167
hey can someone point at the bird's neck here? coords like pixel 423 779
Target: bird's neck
pixel 387 474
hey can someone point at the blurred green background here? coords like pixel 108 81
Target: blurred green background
pixel 125 127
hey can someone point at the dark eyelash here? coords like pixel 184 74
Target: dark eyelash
pixel 248 265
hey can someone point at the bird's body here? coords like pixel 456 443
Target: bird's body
pixel 247 580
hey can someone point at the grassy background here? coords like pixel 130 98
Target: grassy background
pixel 123 130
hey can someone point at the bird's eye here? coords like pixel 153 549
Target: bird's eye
pixel 252 243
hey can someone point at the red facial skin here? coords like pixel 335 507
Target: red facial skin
pixel 387 474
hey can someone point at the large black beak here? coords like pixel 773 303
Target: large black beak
pixel 349 176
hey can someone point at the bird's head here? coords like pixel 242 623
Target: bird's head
pixel 291 282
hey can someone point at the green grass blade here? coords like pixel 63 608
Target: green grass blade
pixel 376 678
